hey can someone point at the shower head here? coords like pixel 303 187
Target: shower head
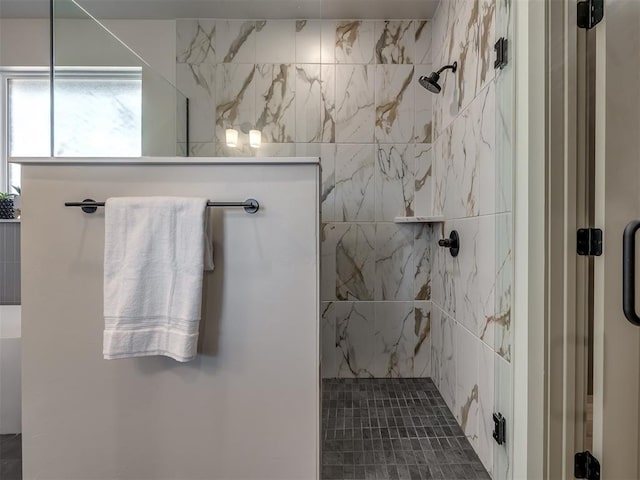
pixel 430 82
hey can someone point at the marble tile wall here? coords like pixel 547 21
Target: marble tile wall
pixel 471 294
pixel 347 91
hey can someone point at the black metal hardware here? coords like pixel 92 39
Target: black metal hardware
pixel 590 13
pixel 586 466
pixel 499 428
pixel 501 53
pixel 629 272
pixel 589 242
pixel 187 126
pixel 452 243
pixel 90 206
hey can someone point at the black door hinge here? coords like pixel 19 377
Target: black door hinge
pixel 586 466
pixel 590 13
pixel 501 53
pixel 499 428
pixel 589 242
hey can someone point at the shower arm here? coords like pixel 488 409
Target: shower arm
pixel 453 67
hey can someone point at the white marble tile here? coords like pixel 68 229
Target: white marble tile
pixel 394 273
pixel 355 261
pixel 357 343
pixel 464 286
pixel 275 150
pixel 485 71
pixel 423 32
pixel 330 235
pixel 243 149
pixel 469 31
pixel 355 191
pixel 395 103
pixel 399 342
pixel 504 148
pixel 328 163
pixel 486 386
pixel 464 162
pixel 423 195
pixel 195 41
pixel 202 149
pixel 436 343
pixel 444 272
pixel 467 354
pixel 197 82
pixel 309 150
pixel 422 341
pixel 354 41
pixel 501 321
pixel 308 41
pixel 236 41
pixel 235 97
pixel 441 23
pixel 394 41
pixel 382 339
pixel 448 367
pixel 308 95
pixel 355 103
pixel 328 342
pixel 276 41
pixel 275 102
pixel 328 41
pixel 395 181
pixel 422 248
pixel 423 107
pixel 328 103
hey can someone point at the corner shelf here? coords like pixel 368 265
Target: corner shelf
pixel 418 219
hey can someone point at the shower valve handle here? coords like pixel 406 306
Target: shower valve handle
pixel 452 243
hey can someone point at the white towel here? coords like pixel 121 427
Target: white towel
pixel 156 249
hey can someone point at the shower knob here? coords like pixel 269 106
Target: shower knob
pixel 452 243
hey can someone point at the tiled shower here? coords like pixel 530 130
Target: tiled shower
pixel 394 304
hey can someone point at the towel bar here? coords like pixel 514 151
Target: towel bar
pixel 90 206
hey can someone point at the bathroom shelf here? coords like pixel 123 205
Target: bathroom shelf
pixel 418 219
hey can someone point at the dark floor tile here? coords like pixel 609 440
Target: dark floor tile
pixel 11 469
pixel 392 429
pixel 10 447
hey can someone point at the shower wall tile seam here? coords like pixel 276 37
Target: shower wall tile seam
pixel 464 110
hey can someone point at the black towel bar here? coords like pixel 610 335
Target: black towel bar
pixel 90 206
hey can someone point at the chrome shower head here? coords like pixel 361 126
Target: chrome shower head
pixel 430 82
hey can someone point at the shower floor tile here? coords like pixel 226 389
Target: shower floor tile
pixel 389 429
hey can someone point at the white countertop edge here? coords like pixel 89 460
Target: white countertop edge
pixel 418 219
pixel 9 220
pixel 50 161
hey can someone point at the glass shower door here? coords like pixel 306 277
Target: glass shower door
pixel 107 100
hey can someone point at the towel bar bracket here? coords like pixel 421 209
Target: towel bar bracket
pixel 89 205
pixel 89 209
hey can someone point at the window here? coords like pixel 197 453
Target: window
pixel 98 113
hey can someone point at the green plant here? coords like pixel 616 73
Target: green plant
pixel 5 196
pixel 17 189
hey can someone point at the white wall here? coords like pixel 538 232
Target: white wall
pixel 25 42
pixel 248 406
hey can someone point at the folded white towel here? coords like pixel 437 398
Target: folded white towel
pixel 156 249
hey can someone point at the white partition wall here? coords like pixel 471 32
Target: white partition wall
pixel 248 407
